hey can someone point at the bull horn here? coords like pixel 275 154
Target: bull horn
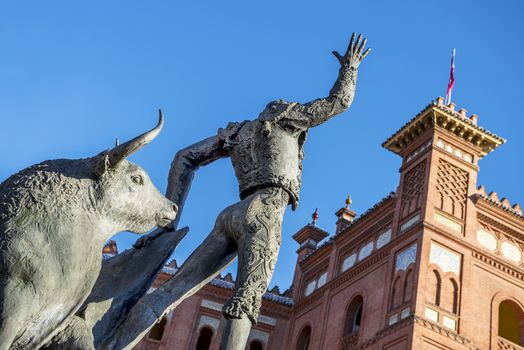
pixel 121 152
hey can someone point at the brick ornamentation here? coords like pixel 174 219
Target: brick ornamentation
pixel 452 187
pixel 413 189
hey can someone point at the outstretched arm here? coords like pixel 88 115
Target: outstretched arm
pixel 185 164
pixel 343 91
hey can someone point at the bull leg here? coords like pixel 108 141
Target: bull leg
pixel 212 256
pixel 16 304
pixel 76 336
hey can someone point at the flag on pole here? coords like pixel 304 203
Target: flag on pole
pixel 451 78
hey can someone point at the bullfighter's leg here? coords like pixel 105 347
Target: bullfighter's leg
pixel 16 305
pixel 259 244
pixel 214 254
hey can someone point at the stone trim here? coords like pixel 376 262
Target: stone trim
pixel 498 265
pixel 444 332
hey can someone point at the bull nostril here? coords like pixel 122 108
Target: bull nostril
pixel 175 208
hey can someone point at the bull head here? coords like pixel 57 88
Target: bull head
pixel 130 200
pixel 112 158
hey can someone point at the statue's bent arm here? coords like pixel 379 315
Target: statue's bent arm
pixel 186 162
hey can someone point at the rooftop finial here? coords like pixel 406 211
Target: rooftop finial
pixel 117 142
pixel 315 217
pixel 348 201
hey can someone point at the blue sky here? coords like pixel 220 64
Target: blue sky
pixel 76 75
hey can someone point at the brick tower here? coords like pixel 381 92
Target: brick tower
pixel 438 264
pixel 459 259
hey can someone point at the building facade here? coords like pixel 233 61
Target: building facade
pixel 436 264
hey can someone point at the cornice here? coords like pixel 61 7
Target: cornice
pixel 499 265
pixel 485 219
pixel 444 332
pixel 437 115
pixel 421 321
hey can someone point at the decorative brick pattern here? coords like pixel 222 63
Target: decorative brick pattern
pixel 413 189
pixel 452 187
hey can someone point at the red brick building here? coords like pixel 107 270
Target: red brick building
pixel 437 264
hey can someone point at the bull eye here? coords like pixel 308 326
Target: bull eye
pixel 137 179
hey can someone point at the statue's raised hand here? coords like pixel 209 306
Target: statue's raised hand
pixel 354 54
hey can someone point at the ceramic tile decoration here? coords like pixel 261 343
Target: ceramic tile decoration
pixel 487 239
pixel 322 280
pixel 511 251
pixel 405 313
pixel 365 251
pixel 410 223
pixel 448 322
pixel 445 259
pixel 393 319
pixel 406 258
pixel 310 287
pixel 349 262
pixel 431 314
pixel 384 239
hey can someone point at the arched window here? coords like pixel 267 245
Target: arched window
pixel 511 322
pixel 304 338
pixel 435 286
pixel 204 339
pixel 454 303
pixel 396 293
pixel 157 332
pixel 408 286
pixel 353 315
pixel 256 345
pixel 449 299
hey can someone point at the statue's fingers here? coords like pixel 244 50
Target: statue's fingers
pixel 366 53
pixel 361 47
pixel 357 44
pixel 337 55
pixel 350 45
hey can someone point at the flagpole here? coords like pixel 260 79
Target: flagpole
pixel 451 78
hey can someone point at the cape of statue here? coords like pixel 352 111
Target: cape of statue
pixel 266 154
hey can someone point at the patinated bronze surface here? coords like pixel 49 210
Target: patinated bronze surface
pixel 56 216
pixel 266 154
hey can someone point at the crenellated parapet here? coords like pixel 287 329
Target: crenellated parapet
pixel 503 203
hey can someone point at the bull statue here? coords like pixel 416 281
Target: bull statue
pixel 54 220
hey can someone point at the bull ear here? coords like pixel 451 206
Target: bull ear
pixel 121 152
